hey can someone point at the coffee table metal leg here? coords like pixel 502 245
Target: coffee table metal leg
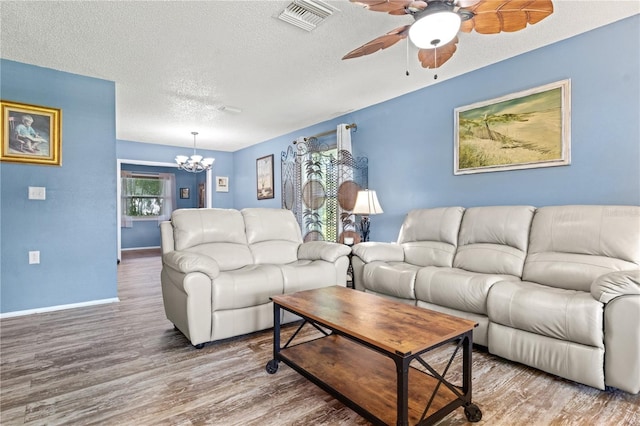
pixel 402 369
pixel 471 410
pixel 272 365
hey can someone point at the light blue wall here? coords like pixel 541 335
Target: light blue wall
pixel 74 227
pixel 409 140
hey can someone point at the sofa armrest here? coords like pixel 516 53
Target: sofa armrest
pixel 185 262
pixel 322 250
pixel 607 287
pixel 372 251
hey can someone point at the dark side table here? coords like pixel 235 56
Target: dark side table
pixel 351 280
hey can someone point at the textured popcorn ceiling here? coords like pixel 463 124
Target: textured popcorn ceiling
pixel 175 63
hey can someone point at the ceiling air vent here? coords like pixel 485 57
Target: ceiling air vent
pixel 306 14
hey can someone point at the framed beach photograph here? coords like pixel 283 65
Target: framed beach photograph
pixel 30 134
pixel 264 177
pixel 222 183
pixel 523 130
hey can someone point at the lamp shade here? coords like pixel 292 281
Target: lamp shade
pixel 435 29
pixel 367 203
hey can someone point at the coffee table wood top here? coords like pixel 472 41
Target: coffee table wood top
pixel 391 326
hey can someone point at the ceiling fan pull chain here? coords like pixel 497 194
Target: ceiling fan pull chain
pixel 435 57
pixel 407 72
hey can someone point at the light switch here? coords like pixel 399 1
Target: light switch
pixel 34 257
pixel 37 193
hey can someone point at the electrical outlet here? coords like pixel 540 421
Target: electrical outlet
pixel 34 257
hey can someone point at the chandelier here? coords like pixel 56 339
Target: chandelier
pixel 196 163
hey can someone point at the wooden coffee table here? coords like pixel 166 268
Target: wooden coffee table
pixel 364 354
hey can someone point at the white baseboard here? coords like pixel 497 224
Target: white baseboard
pixel 58 307
pixel 140 248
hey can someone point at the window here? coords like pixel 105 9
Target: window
pixel 147 196
pixel 143 196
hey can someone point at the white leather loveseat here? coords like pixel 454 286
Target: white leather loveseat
pixel 556 288
pixel 220 266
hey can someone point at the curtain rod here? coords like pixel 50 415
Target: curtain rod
pixel 328 132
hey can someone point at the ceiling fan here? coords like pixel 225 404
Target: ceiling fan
pixel 437 23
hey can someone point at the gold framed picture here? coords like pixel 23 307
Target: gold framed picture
pixel 522 130
pixel 30 134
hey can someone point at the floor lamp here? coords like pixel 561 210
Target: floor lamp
pixel 366 204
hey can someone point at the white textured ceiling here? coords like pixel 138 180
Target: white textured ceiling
pixel 175 63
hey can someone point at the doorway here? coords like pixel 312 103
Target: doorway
pixel 208 192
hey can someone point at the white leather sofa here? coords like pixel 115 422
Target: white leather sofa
pixel 220 266
pixel 556 288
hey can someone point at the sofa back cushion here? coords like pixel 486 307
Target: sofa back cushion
pixel 273 235
pixel 429 236
pixel 573 245
pixel 218 233
pixel 494 239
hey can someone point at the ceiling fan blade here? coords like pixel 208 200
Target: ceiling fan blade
pixel 434 58
pixel 382 42
pixel 393 7
pixel 495 16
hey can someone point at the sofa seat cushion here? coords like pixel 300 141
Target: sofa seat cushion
pixel 568 315
pixel 393 278
pixel 456 288
pixel 248 286
pixel 307 275
pixel 429 253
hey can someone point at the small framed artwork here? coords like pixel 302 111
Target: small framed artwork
pixel 264 175
pixel 523 130
pixel 184 192
pixel 222 184
pixel 30 134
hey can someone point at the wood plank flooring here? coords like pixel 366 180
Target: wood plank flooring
pixel 124 364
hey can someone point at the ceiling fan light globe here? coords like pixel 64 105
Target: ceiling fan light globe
pixel 435 29
pixel 208 161
pixel 181 159
pixel 196 158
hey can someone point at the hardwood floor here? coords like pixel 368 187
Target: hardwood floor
pixel 124 364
